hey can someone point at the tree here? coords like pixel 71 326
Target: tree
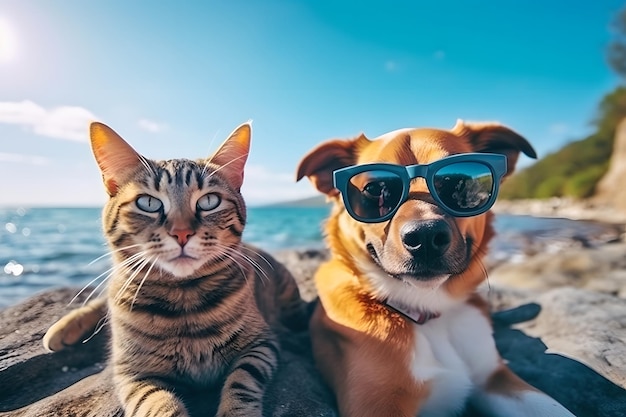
pixel 616 53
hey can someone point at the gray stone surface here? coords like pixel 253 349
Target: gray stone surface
pixel 60 383
pixel 584 325
pixel 57 384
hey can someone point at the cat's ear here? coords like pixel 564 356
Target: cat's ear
pixel 232 155
pixel 116 158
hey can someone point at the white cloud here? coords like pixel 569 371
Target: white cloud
pixel 63 122
pixel 262 186
pixel 151 126
pixel 23 159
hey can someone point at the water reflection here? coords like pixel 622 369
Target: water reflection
pixel 13 268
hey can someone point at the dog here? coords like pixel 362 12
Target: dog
pixel 400 329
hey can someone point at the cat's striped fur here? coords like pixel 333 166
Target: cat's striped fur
pixel 188 303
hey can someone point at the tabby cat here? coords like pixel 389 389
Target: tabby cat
pixel 188 303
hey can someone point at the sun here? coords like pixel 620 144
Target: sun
pixel 8 42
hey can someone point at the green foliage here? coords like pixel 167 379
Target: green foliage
pixel 583 184
pixel 552 187
pixel 574 170
pixel 616 53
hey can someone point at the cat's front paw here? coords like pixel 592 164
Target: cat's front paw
pixel 75 326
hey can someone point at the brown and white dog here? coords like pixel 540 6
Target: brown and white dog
pixel 428 265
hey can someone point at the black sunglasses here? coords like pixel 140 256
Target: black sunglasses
pixel 463 185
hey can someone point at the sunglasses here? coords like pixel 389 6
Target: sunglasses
pixel 463 185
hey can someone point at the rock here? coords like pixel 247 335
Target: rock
pixel 589 209
pixel 50 384
pixel 30 376
pixel 28 372
pixel 583 325
pixel 601 269
pixel 303 265
pixel 502 297
pixel 576 386
pixel 610 190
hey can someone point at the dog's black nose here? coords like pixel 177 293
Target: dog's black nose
pixel 430 238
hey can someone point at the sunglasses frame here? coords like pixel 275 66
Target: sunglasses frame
pixel 494 161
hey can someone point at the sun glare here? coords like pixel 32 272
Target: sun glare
pixel 7 41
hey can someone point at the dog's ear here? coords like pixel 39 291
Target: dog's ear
pixel 320 162
pixel 495 138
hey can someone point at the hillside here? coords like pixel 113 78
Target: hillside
pixel 575 170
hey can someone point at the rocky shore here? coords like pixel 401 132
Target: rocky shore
pixel 581 291
pixel 559 318
pixel 564 207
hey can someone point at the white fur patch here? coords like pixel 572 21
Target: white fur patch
pixel 411 293
pixel 527 403
pixel 455 353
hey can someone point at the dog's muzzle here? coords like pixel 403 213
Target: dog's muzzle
pixel 430 248
pixel 426 239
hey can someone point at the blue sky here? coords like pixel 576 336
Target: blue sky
pixel 174 78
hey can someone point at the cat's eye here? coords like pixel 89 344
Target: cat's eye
pixel 208 202
pixel 148 203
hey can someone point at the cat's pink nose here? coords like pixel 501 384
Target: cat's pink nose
pixel 182 235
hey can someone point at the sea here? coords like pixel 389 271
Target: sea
pixel 45 248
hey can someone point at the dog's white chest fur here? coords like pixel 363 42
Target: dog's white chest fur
pixel 453 353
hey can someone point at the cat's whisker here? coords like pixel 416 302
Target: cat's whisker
pixel 108 273
pixel 243 272
pixel 97 287
pixel 142 281
pixel 208 160
pixel 87 286
pixel 135 268
pixel 226 164
pixel 110 253
pixel 257 253
pixel 101 323
pixel 257 266
pixel 262 274
pixel 149 167
pixel 130 263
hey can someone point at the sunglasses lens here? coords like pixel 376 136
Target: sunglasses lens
pixel 464 187
pixel 373 194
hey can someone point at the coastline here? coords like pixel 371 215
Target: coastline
pixel 564 208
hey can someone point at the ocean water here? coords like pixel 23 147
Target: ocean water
pixel 43 248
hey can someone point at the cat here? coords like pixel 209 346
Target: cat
pixel 188 303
